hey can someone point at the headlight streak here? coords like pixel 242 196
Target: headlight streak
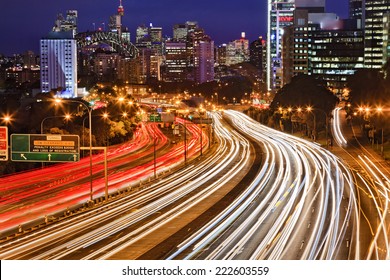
pixel 374 181
pixel 382 214
pixel 336 128
pixel 198 174
pixel 284 148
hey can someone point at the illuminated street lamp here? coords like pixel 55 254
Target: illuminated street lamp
pixel 59 101
pixel 7 119
pixel 380 110
pixel 66 117
pixel 311 109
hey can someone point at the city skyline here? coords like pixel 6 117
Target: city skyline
pixel 18 35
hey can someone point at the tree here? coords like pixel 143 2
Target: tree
pixel 367 86
pixel 303 91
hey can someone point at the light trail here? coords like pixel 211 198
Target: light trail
pixel 172 193
pixel 266 222
pixel 373 186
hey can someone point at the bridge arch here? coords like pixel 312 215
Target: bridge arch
pixel 120 45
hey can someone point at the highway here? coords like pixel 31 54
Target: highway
pixel 105 231
pixel 259 194
pixel 30 196
pixel 372 178
pixel 301 205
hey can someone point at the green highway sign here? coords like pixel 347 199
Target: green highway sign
pixel 45 148
pixel 155 118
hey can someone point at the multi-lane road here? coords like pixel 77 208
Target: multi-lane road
pixel 258 194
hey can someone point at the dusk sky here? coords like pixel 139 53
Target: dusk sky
pixel 23 23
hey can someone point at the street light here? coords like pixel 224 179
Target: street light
pixel 59 101
pixel 7 119
pixel 380 110
pixel 310 109
pixel 66 117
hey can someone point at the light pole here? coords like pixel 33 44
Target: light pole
pixel 58 101
pixel 67 117
pixel 380 110
pixel 311 109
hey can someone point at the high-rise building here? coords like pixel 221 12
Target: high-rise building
pixel 386 37
pixel 156 39
pixel 220 56
pixel 175 66
pixel 142 38
pixel 199 52
pixel 237 51
pixel 66 24
pixel 204 60
pixel 257 51
pixel 59 63
pixel 374 26
pixel 356 9
pixel 322 45
pixel 280 15
pixel 115 23
pixel 180 32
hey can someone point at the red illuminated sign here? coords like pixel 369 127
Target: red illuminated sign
pixel 3 143
pixel 286 19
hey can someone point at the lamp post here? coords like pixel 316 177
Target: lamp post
pixel 58 101
pixel 380 110
pixel 311 109
pixel 67 117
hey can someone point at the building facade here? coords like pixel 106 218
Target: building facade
pixel 322 45
pixel 59 63
pixel 375 14
pixel 280 15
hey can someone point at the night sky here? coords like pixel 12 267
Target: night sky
pixel 23 23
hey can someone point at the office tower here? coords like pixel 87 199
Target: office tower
pixel 175 66
pixel 142 36
pixel 59 63
pixel 220 56
pixel 257 52
pixel 180 32
pixel 386 37
pixel 280 15
pixel 356 9
pixel 204 60
pixel 374 27
pixel 237 51
pixel 156 39
pixel 66 24
pixel 322 45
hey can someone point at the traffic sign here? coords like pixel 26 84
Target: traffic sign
pixel 155 118
pixel 45 147
pixel 3 143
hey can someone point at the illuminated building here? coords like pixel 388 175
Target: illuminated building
pixel 237 51
pixel 322 45
pixel 257 56
pixel 59 63
pixel 66 24
pixel 280 15
pixel 204 60
pixel 375 14
pixel 175 66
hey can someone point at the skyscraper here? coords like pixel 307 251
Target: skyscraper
pixel 59 63
pixel 374 27
pixel 204 60
pixel 322 45
pixel 237 51
pixel 280 15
